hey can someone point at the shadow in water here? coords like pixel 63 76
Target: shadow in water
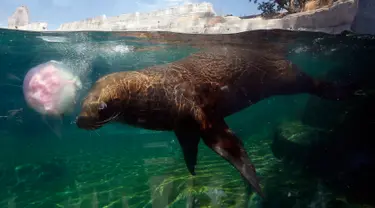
pixel 337 148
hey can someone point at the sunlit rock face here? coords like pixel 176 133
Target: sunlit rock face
pixel 342 15
pixel 19 18
pixel 201 18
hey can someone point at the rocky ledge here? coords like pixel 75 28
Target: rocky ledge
pixel 354 15
pixel 20 19
pixel 201 18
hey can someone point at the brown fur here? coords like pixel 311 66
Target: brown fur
pixel 192 96
pixel 196 84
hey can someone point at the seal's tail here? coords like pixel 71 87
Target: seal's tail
pixel 225 143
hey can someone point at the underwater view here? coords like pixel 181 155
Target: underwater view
pixel 310 146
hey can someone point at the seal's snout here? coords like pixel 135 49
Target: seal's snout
pixel 80 121
pixel 85 122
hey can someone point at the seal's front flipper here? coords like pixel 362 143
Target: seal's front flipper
pixel 225 143
pixel 188 136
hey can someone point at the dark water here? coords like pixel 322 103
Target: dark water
pixel 308 152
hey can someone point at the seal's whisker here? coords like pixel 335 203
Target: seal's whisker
pixel 97 133
pixel 95 125
pixel 114 116
pixel 106 120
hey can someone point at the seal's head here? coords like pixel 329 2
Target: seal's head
pixel 98 108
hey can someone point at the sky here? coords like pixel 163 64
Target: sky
pixel 56 12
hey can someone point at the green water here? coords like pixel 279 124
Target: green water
pixel 55 164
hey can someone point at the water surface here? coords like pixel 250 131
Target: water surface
pixel 307 151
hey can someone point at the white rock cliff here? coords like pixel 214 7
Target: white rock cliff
pixel 166 19
pixel 201 18
pixel 21 20
pixel 355 15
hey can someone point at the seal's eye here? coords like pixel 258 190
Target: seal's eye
pixel 102 106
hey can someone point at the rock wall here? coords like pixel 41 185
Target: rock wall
pixel 364 21
pixel 201 18
pixel 335 19
pixel 355 15
pixel 35 26
pixel 19 18
pixel 157 20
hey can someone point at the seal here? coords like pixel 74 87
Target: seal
pixel 192 96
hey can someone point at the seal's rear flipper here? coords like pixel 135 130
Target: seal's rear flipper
pixel 188 136
pixel 225 143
